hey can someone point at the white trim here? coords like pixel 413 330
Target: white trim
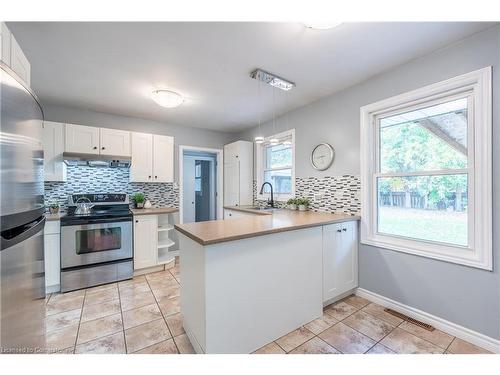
pixel 260 166
pixel 220 171
pixel 476 338
pixel 479 253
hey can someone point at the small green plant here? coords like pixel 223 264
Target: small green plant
pixel 303 202
pixel 291 201
pixel 139 198
pixel 54 205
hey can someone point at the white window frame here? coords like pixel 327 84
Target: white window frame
pixel 479 252
pixel 260 150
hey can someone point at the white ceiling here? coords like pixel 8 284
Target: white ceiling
pixel 113 67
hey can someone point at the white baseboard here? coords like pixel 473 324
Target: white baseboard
pixel 476 338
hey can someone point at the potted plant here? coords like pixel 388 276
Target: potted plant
pixel 139 199
pixel 54 208
pixel 303 204
pixel 292 203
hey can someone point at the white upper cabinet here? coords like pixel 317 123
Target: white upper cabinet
pixel 114 142
pixel 238 173
pixel 141 169
pixel 163 158
pixel 5 37
pixel 18 61
pixel 53 148
pixel 13 55
pixel 152 158
pixel 82 139
pixel 340 259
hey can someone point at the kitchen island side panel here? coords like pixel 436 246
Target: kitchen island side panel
pixel 259 289
pixel 192 269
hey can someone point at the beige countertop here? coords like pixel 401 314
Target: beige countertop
pixel 248 209
pixel 153 211
pixel 54 217
pixel 211 232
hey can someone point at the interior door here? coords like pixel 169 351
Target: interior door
pixel 163 158
pixel 141 169
pixel 189 190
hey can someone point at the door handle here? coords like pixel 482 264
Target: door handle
pixel 339 230
pixel 103 148
pixel 95 147
pixel 344 229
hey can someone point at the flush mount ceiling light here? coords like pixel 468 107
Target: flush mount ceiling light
pixel 321 25
pixel 167 99
pixel 271 79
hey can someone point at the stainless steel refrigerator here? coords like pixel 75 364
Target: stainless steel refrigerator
pixel 22 274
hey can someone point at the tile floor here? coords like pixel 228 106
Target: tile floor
pixel 142 315
pixel 355 326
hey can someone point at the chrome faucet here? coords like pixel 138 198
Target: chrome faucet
pixel 270 202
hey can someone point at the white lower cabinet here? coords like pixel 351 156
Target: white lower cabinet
pixel 340 259
pixel 52 256
pixel 155 240
pixel 145 241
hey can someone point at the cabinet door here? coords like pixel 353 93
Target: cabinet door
pixel 141 168
pixel 348 257
pixel 4 43
pixel 231 152
pixel 53 148
pixel 232 184
pixel 145 241
pixel 81 139
pixel 163 158
pixel 52 256
pixel 340 259
pixel 114 142
pixel 18 61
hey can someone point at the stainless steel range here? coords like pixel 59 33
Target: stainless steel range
pixel 96 241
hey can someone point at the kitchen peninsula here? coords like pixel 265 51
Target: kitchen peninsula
pixel 247 281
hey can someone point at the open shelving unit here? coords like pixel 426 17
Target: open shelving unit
pixel 168 245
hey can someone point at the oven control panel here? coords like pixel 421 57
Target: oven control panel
pixel 107 198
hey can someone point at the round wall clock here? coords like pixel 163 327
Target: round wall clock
pixel 322 156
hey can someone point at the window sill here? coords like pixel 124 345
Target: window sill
pixel 450 254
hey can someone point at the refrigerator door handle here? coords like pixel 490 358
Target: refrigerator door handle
pixel 13 236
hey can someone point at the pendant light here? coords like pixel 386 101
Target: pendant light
pixel 274 141
pixel 259 139
pixel 287 141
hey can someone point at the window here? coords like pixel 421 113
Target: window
pixel 275 164
pixel 426 171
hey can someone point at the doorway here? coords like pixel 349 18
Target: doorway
pixel 200 178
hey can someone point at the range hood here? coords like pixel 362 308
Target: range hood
pixel 92 160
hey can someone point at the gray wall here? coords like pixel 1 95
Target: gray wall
pixel 463 295
pixel 183 135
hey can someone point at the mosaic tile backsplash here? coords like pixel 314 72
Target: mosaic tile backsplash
pixel 84 179
pixel 336 194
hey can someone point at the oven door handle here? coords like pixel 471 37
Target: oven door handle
pixel 83 221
